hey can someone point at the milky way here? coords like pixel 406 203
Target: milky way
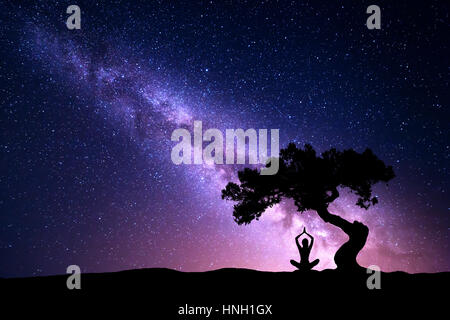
pixel 87 177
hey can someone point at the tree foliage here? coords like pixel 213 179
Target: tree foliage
pixel 312 181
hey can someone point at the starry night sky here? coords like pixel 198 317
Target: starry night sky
pixel 87 115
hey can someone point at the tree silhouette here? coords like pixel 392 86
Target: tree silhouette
pixel 312 181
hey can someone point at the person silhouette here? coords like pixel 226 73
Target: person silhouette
pixel 304 250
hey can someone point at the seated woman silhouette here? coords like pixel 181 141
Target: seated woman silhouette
pixel 304 250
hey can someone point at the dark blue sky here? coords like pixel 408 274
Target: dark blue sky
pixel 86 118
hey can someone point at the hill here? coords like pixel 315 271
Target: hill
pixel 168 293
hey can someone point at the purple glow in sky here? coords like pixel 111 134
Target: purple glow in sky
pixel 90 116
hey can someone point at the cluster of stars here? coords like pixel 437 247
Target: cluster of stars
pixel 87 116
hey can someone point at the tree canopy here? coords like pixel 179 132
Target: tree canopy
pixel 311 180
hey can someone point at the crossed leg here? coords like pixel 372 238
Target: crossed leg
pixel 304 266
pixel 295 264
pixel 314 263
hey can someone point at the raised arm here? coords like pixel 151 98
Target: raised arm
pixel 312 240
pixel 296 238
pixel 311 243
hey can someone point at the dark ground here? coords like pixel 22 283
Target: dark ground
pixel 158 294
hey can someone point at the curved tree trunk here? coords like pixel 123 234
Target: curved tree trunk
pixel 345 257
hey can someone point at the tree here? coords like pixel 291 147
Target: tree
pixel 312 181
